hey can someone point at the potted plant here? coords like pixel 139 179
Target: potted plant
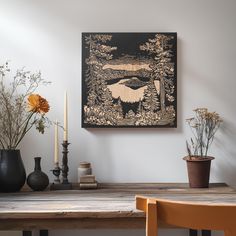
pixel 20 110
pixel 203 126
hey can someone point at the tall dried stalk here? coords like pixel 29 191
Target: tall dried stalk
pixel 203 126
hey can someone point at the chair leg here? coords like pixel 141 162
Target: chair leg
pixel 206 233
pixel 192 232
pixel 43 232
pixel 26 233
pixel 151 218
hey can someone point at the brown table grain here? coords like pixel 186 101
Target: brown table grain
pixel 110 206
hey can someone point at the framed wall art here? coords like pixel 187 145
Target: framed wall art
pixel 129 80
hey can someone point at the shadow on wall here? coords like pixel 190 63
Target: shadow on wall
pixel 102 160
pixel 180 88
pixel 226 169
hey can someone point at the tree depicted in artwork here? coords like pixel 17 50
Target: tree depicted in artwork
pixel 162 66
pixel 119 109
pixel 91 99
pixel 106 98
pixel 99 97
pixel 140 108
pixel 150 97
pixel 130 115
pixel 140 119
pixel 98 54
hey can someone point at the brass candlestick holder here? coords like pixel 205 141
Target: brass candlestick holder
pixel 64 185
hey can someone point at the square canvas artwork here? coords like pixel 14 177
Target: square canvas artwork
pixel 129 80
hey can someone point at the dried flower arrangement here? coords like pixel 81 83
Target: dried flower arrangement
pixel 203 126
pixel 20 108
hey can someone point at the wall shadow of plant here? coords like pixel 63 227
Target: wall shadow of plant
pixel 225 169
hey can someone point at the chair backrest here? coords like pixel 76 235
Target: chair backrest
pixel 187 215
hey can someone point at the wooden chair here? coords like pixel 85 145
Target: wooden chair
pixel 187 215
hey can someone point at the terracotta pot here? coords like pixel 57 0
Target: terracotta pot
pixel 198 171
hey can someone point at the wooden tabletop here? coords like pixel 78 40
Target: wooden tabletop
pixel 110 206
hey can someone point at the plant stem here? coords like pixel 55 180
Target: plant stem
pixel 24 129
pixel 3 147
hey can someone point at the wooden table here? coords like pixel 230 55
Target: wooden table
pixel 110 206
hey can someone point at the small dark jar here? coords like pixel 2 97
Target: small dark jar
pixel 37 180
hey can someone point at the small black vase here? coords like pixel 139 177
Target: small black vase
pixel 12 171
pixel 37 180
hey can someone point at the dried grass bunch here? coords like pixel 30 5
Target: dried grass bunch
pixel 203 126
pixel 20 108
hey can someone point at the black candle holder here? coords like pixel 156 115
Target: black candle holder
pixel 65 168
pixel 56 172
pixel 64 185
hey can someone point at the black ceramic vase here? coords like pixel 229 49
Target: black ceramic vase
pixel 12 171
pixel 37 180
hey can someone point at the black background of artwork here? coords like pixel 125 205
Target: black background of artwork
pixel 128 43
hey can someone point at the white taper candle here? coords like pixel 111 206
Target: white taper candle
pixel 56 150
pixel 65 118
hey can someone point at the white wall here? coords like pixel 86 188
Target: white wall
pixel 46 35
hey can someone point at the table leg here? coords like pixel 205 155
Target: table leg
pixel 206 233
pixel 43 232
pixel 192 232
pixel 26 233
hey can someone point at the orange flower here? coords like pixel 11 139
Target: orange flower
pixel 38 104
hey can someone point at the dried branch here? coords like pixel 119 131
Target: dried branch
pixel 203 126
pixel 15 118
